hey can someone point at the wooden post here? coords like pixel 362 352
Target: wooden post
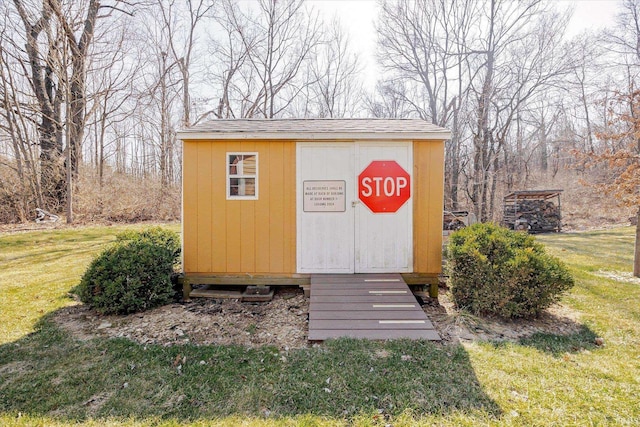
pixel 559 215
pixel 186 289
pixel 433 290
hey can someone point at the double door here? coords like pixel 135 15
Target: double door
pixel 336 232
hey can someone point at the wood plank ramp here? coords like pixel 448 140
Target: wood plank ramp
pixel 370 306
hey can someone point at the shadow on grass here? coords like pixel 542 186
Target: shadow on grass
pixel 554 344
pixel 557 345
pixel 48 373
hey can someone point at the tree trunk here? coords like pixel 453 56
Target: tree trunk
pixel 186 98
pixel 481 141
pixel 77 114
pixel 164 126
pixel 544 153
pixel 52 172
pixel 69 164
pixel 78 86
pixel 636 258
pixel 455 161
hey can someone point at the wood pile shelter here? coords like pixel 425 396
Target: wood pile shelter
pixel 534 211
pixel 272 201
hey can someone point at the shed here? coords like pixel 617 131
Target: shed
pixel 272 201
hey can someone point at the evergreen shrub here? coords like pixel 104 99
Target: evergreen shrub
pixel 134 274
pixel 496 271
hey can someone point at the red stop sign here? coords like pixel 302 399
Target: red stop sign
pixel 384 186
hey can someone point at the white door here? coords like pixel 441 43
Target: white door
pixel 324 192
pixel 336 232
pixel 384 241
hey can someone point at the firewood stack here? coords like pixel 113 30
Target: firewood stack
pixel 535 216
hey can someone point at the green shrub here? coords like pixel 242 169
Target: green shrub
pixel 132 275
pixel 156 235
pixel 495 271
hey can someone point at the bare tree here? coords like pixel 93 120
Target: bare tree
pixel 111 82
pixel 58 39
pixel 389 100
pixel 521 56
pixel 584 78
pixel 227 47
pixel 42 44
pixel 182 50
pixel 159 97
pixel 624 41
pixel 472 66
pixel 334 90
pixel 17 125
pixel 78 45
pixel 279 40
pixel 425 43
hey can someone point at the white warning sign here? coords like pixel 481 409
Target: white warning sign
pixel 324 196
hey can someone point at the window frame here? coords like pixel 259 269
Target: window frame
pixel 230 176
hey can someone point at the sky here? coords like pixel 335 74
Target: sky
pixel 358 16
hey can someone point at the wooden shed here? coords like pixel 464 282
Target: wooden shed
pixel 270 202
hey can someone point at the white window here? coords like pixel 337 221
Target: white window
pixel 242 176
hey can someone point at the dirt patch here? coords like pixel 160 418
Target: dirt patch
pixel 283 323
pixel 96 402
pixel 456 326
pixel 619 276
pixel 13 368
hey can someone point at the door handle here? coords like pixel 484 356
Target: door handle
pixel 354 203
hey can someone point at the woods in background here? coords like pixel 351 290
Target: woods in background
pixel 93 91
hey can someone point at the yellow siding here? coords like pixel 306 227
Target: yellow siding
pixel 263 205
pixel 204 188
pixel 218 239
pixel 190 207
pixel 239 236
pixel 428 189
pixel 259 236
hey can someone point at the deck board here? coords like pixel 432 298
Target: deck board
pixel 384 298
pixel 361 306
pixel 369 306
pixel 375 324
pixel 361 291
pixel 375 334
pixel 365 315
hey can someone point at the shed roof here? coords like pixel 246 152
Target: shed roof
pixel 532 194
pixel 315 129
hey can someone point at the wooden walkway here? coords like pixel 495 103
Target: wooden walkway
pixel 371 306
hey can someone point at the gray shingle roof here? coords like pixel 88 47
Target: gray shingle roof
pixel 315 129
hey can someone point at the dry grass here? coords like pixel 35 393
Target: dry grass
pixel 120 198
pixel 583 207
pixel 123 198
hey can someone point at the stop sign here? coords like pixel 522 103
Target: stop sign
pixel 384 186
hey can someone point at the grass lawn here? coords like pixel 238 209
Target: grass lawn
pixel 49 378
